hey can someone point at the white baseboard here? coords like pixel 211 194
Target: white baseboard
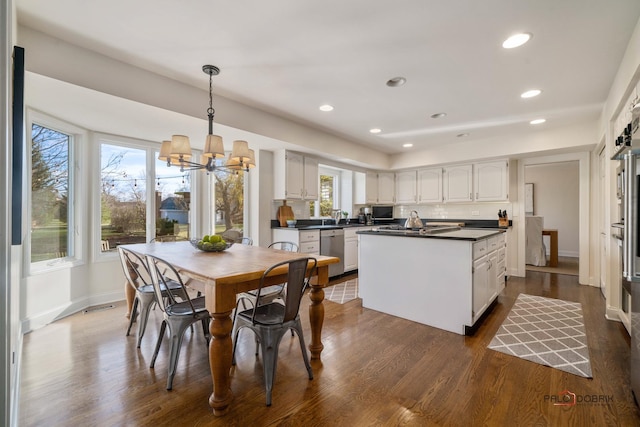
pixel 42 319
pixel 571 254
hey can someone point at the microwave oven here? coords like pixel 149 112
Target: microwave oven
pixel 382 212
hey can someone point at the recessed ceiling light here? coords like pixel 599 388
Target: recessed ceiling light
pixel 531 93
pixel 408 145
pixel 438 115
pixel 396 81
pixel 326 107
pixel 537 121
pixel 375 130
pixel 462 135
pixel 516 40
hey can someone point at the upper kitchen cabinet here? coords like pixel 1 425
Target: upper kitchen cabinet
pixel 406 187
pixel 379 187
pixel 371 187
pixel 458 183
pixel 430 185
pixel 491 181
pixel 386 187
pixel 295 176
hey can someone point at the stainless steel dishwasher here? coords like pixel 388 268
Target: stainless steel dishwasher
pixel 332 244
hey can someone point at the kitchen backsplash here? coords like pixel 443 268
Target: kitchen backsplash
pixel 455 210
pixel 440 211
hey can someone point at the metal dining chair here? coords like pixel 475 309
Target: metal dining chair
pixel 138 276
pixel 270 293
pixel 177 316
pixel 269 322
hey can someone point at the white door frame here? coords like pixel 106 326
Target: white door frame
pixel 584 208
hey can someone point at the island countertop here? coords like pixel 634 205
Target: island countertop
pixel 461 234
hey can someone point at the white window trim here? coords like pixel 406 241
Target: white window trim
pixel 152 148
pixel 77 189
pixel 337 187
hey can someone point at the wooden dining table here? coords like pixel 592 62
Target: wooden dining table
pixel 220 276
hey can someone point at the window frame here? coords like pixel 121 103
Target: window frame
pixel 337 189
pixel 152 150
pixel 77 189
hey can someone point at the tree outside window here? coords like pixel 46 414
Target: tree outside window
pixel 229 201
pixel 50 152
pixel 123 201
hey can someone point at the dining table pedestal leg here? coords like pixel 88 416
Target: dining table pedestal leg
pixel 316 311
pixel 220 352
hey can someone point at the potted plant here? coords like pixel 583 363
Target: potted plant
pixel 345 215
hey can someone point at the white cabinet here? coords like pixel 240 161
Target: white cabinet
pixel 406 184
pixel 380 187
pixel 307 240
pixel 350 249
pixel 386 187
pixel 295 176
pixel 491 181
pixel 458 181
pixel 430 185
pixel 311 179
pixel 488 272
pixel 371 187
pixel 351 245
pixel 480 287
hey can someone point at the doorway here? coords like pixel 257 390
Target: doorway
pixel 583 182
pixel 556 210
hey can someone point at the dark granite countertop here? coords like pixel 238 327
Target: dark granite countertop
pixel 316 224
pixel 459 234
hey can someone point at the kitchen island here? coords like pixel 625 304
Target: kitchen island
pixel 444 279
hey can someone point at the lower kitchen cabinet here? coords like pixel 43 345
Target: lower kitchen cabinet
pixel 488 272
pixel 351 248
pixel 307 240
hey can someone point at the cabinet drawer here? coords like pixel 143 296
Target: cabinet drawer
pixel 350 233
pixel 501 253
pixel 494 243
pixel 501 269
pixel 309 236
pixel 479 249
pixel 310 248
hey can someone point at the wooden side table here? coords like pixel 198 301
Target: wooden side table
pixel 553 237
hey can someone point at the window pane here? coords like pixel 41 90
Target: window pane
pixel 49 194
pixel 229 200
pixel 173 201
pixel 326 194
pixel 123 208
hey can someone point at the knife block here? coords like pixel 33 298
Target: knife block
pixel 503 222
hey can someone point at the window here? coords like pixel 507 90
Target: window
pixel 123 195
pixel 51 198
pixel 229 201
pixel 328 198
pixel 173 202
pixel 135 186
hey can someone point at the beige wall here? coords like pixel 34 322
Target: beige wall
pixel 556 198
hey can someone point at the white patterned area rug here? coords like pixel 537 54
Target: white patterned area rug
pixel 546 331
pixel 342 292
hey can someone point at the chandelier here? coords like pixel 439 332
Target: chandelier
pixel 177 152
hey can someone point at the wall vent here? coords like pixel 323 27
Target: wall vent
pixel 98 308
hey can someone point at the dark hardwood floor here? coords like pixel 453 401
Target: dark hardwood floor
pixel 376 369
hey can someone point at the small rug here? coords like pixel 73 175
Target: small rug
pixel 342 292
pixel 546 331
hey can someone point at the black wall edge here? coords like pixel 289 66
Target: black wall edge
pixel 17 163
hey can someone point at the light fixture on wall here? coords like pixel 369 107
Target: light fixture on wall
pixel 177 152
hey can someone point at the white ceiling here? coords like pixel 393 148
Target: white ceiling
pixel 288 57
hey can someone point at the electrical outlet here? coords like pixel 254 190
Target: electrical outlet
pixel 475 213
